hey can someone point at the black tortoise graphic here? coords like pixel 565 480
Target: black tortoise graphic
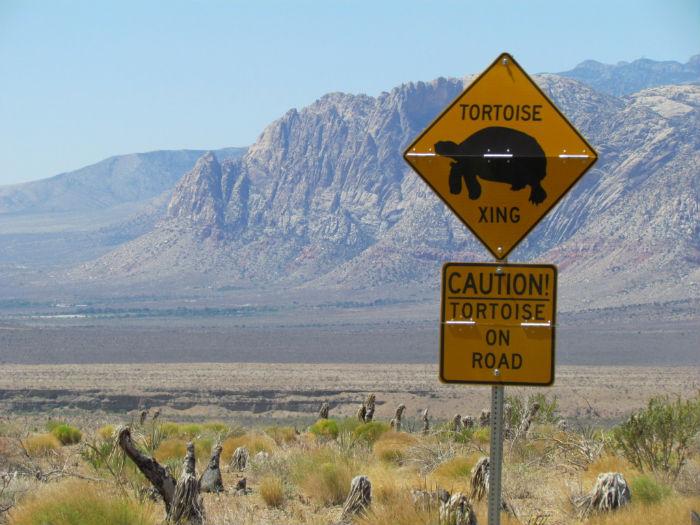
pixel 496 154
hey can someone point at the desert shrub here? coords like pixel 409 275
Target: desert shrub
pixel 646 489
pixel 325 428
pixel 323 474
pixel 520 407
pixel 67 435
pixel 660 437
pixel 392 447
pixel 272 491
pixel 282 435
pixel 41 444
pixel 369 432
pixel 78 502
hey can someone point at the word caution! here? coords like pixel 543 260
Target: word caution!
pixel 498 323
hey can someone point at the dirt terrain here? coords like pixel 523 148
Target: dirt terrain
pixel 250 392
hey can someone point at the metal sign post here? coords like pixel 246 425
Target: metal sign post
pixel 496 454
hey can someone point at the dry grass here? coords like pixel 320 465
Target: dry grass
pixel 253 442
pixel 272 491
pixel 41 444
pixel 76 502
pixel 671 510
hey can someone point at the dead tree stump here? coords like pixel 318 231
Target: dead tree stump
pixel 468 422
pixel 457 511
pixel 211 477
pixel 187 506
pixel 480 479
pixel 369 405
pixel 426 422
pixel 397 417
pixel 158 475
pixel 323 413
pixel 484 418
pixel 240 458
pixel 361 413
pixel 527 421
pixel 610 492
pixel 359 498
pixel 457 423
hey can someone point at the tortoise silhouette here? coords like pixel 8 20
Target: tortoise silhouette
pixel 496 154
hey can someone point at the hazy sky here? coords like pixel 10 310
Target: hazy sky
pixel 82 81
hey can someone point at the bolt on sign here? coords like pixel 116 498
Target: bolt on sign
pixel 497 323
pixel 501 155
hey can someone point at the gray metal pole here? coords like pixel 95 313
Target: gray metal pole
pixel 496 455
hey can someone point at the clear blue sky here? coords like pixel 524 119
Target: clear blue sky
pixel 84 80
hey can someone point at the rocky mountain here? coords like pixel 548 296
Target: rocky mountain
pixel 80 215
pixel 324 200
pixel 625 78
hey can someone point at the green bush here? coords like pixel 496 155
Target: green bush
pixel 67 435
pixel 325 428
pixel 646 489
pixel 370 432
pixel 659 437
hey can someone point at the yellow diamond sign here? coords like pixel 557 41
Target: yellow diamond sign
pixel 501 155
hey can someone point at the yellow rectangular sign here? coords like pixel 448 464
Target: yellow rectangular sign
pixel 497 323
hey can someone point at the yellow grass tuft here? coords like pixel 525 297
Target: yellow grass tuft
pixel 176 448
pixel 254 443
pixel 41 444
pixel 272 491
pixel 392 447
pixel 282 435
pixel 608 463
pixel 674 509
pixel 77 502
pixel 106 432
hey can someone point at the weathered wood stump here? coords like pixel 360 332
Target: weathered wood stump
pixel 480 479
pixel 369 405
pixel 240 459
pixel 527 421
pixel 323 412
pixel 610 492
pixel 468 422
pixel 359 498
pixel 457 511
pixel 457 423
pixel 485 418
pixel 361 413
pixel 187 505
pixel 211 477
pixel 426 422
pixel 157 474
pixel 397 417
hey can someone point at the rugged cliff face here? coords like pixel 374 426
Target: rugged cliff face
pixel 324 198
